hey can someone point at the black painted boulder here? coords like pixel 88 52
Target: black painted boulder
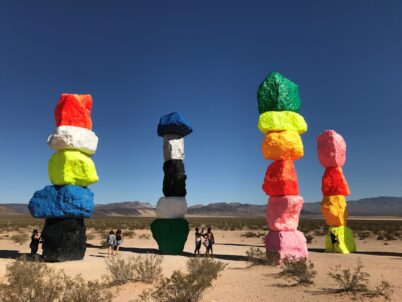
pixel 174 182
pixel 63 239
pixel 170 234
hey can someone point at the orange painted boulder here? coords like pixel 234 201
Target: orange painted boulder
pixel 334 210
pixel 74 110
pixel 282 145
pixel 331 148
pixel 283 212
pixel 281 179
pixel 334 182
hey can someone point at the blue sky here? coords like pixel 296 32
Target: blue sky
pixel 204 59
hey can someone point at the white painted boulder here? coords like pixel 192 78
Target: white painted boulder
pixel 173 147
pixel 171 207
pixel 73 138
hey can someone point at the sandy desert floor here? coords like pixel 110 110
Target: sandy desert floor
pixel 239 282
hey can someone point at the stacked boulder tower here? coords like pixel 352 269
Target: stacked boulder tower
pixel 66 202
pixel 331 149
pixel 170 229
pixel 279 104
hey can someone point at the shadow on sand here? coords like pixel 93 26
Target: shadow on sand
pixel 372 253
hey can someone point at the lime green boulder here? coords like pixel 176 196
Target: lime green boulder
pixel 72 167
pixel 345 242
pixel 281 121
pixel 170 234
pixel 277 93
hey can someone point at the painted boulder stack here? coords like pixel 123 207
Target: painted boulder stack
pixel 331 148
pixel 66 202
pixel 170 229
pixel 279 104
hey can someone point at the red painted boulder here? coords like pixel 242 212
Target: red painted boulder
pixel 283 212
pixel 287 244
pixel 331 148
pixel 334 182
pixel 281 179
pixel 74 110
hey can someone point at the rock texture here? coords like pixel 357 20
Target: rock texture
pixel 170 234
pixel 281 179
pixel 334 182
pixel 334 210
pixel 287 244
pixel 63 239
pixel 277 93
pixel 282 145
pixel 331 149
pixel 174 181
pixel 345 241
pixel 171 207
pixel 74 110
pixel 283 212
pixel 281 121
pixel 74 138
pixel 71 167
pixel 173 147
pixel 64 201
pixel 173 123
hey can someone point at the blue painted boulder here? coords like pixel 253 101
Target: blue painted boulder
pixel 173 123
pixel 62 201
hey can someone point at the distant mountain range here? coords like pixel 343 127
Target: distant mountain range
pixel 376 206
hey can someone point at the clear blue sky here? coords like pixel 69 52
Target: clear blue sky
pixel 204 59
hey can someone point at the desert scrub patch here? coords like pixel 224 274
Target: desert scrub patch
pixel 350 281
pixel 256 256
pixel 299 270
pixel 20 238
pixel 253 234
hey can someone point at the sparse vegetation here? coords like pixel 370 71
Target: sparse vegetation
pixel 144 236
pixel 30 281
pixel 299 270
pixel 129 234
pixel 255 256
pixel 20 238
pixel 351 281
pixel 384 289
pixel 309 238
pixel 253 234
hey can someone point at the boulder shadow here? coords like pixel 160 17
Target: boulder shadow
pixel 11 254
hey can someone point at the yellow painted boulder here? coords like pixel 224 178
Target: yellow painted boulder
pixel 72 167
pixel 281 121
pixel 334 210
pixel 282 145
pixel 341 240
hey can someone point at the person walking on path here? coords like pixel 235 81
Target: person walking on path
pixel 119 240
pixel 209 241
pixel 35 240
pixel 198 238
pixel 111 242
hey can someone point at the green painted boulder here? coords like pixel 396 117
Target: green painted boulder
pixel 277 93
pixel 345 243
pixel 170 234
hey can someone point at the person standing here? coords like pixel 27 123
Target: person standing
pixel 35 240
pixel 119 240
pixel 209 241
pixel 198 238
pixel 111 242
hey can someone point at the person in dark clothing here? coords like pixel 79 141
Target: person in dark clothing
pixel 334 240
pixel 119 240
pixel 209 241
pixel 198 239
pixel 35 240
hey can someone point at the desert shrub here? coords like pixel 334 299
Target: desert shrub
pixel 255 256
pixel 103 244
pixel 144 236
pixel 145 268
pixel 351 281
pixel 90 236
pixel 364 235
pixel 252 234
pixel 320 232
pixel 31 281
pixel 309 238
pixel 20 238
pixel 386 235
pixel 384 289
pixel 129 234
pixel 299 270
pixel 186 287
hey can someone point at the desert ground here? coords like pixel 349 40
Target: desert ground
pixel 239 281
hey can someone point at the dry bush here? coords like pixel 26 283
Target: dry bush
pixel 255 256
pixel 386 235
pixel 299 270
pixel 20 238
pixel 309 238
pixel 252 234
pixel 129 234
pixel 30 281
pixel 144 236
pixel 364 235
pixel 351 281
pixel 90 236
pixel 384 289
pixel 145 268
pixel 182 287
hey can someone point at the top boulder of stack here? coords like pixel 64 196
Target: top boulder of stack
pixel 173 123
pixel 277 93
pixel 74 110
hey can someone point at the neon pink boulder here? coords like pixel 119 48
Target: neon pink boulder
pixel 286 244
pixel 283 212
pixel 331 148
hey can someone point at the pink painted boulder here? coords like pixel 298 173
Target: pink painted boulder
pixel 283 212
pixel 331 148
pixel 291 244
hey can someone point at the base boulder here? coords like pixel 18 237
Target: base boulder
pixel 291 244
pixel 344 241
pixel 170 234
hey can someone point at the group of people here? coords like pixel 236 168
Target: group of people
pixel 209 241
pixel 114 241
